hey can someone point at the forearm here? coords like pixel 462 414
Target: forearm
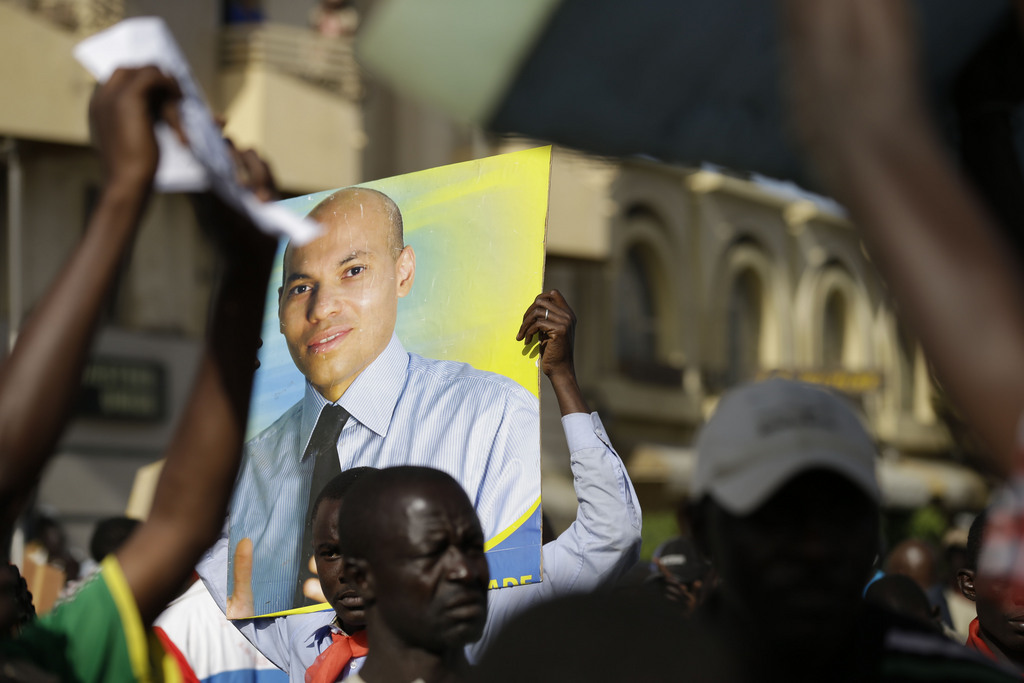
pixel 567 391
pixel 39 382
pixel 608 518
pixel 944 261
pixel 202 461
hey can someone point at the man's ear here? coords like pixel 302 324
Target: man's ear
pixel 965 581
pixel 405 271
pixel 358 575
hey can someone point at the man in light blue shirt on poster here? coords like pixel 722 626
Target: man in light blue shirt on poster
pixel 597 548
pixel 338 306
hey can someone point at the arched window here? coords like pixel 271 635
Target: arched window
pixel 906 352
pixel 643 298
pixel 833 347
pixel 745 320
pixel 636 315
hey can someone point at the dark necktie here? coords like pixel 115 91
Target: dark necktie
pixel 323 447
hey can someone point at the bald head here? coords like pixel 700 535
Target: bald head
pixel 338 301
pixel 361 201
pixel 377 507
pixel 414 551
pixel 914 558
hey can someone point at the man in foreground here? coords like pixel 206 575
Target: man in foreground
pixel 414 552
pixel 787 511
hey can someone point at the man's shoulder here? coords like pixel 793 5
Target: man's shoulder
pixel 464 377
pixel 285 426
pixel 910 655
pixel 912 651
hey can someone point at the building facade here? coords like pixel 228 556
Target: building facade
pixel 685 281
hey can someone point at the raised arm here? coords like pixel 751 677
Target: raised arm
pixel 192 494
pixel 604 540
pixel 39 381
pixel 856 98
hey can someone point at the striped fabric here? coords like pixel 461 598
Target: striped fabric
pixel 212 646
pixel 479 427
pixel 600 546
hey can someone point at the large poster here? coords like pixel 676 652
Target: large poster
pixel 404 313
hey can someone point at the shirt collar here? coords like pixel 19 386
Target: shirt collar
pixel 371 398
pixel 324 632
pixel 321 634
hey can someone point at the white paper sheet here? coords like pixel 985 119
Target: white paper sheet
pixel 205 163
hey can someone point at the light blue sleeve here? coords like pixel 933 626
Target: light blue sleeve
pixel 600 545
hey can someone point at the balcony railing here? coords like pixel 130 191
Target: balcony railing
pixel 81 16
pixel 327 62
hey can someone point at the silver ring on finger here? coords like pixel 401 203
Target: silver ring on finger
pixel 546 311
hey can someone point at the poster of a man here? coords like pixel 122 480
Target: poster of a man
pixel 344 309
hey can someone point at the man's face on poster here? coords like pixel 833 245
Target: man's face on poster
pixel 339 299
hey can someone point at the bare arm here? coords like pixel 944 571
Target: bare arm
pixel 38 382
pixel 202 461
pixel 856 96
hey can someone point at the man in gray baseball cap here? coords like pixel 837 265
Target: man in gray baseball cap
pixel 787 510
pixel 786 507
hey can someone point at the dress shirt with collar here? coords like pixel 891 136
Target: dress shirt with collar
pixel 480 427
pixel 601 545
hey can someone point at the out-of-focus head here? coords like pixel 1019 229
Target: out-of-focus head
pixel 1000 604
pixel 338 302
pixel 347 603
pixel 975 537
pixel 954 551
pixel 562 639
pixel 901 594
pixel 16 608
pixel 109 535
pixel 681 557
pixel 787 508
pixel 681 573
pixel 414 550
pixel 763 434
pixel 916 559
pixel 50 534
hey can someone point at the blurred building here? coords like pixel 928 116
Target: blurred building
pixel 685 281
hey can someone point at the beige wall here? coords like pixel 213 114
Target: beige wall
pixel 195 25
pixel 701 230
pixel 698 229
pixel 46 93
pixel 57 180
pixel 312 137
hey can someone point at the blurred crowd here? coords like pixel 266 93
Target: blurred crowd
pixel 780 570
